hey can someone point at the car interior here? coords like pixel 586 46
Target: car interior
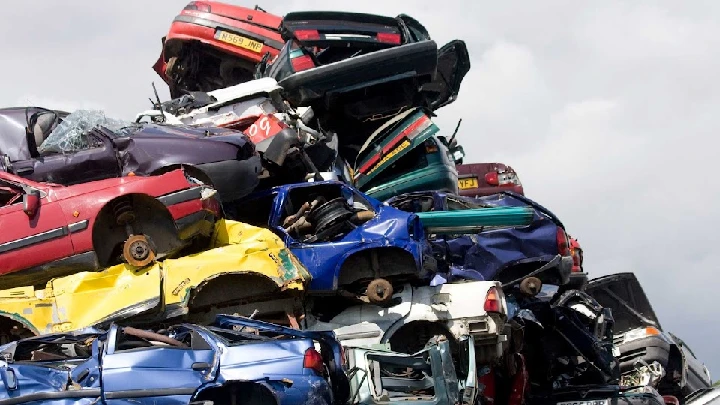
pixel 401 377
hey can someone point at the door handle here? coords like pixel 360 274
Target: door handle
pixel 200 366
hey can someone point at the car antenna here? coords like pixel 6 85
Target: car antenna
pixel 157 106
pixel 452 138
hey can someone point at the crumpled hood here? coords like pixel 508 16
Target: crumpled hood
pixel 623 294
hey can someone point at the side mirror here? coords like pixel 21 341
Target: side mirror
pixel 458 153
pixel 31 202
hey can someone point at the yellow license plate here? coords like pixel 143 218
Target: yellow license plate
pixel 238 41
pixel 465 184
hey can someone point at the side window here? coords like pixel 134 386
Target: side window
pixel 256 211
pixel 9 195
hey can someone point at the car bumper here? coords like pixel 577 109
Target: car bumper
pixel 649 349
pixel 578 280
pixel 485 191
pixel 435 177
pixel 233 179
pixel 190 28
pixel 488 334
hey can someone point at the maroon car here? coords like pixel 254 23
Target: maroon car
pixel 481 179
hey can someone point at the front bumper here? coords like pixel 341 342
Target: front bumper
pixel 651 348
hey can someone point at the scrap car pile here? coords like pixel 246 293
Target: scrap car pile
pixel 292 228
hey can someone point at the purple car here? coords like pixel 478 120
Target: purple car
pixel 54 146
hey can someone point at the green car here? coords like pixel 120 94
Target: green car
pixel 405 155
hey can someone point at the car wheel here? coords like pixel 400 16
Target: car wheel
pixel 379 291
pixel 138 251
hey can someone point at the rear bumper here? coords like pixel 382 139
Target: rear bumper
pixel 578 280
pixel 189 28
pixel 435 177
pixel 485 191
pixel 490 339
pixel 233 179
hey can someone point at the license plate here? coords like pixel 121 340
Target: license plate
pixel 469 183
pixel 237 40
pixel 591 402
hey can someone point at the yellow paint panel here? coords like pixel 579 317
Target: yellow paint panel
pixel 85 299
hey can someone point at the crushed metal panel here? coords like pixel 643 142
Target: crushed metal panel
pixel 86 299
pixel 239 249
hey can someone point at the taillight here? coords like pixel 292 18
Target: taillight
pixel 304 35
pixel 491 178
pixel 502 179
pixel 301 63
pixel 388 38
pixel 492 301
pixel 313 360
pixel 198 6
pixel 562 242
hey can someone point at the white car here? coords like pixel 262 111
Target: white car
pixel 472 308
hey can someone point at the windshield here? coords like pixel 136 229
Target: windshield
pixel 71 134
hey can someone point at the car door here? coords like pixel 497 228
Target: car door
pixel 28 241
pixel 95 160
pixel 155 373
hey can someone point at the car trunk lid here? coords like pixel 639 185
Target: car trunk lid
pixel 623 294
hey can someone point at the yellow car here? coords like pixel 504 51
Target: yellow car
pixel 248 270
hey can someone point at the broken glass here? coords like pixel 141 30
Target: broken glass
pixel 71 134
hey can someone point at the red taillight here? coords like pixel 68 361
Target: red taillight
pixel 492 301
pixel 301 63
pixel 304 35
pixel 313 360
pixel 198 6
pixel 388 38
pixel 562 242
pixel 491 178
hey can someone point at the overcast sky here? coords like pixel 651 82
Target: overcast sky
pixel 608 111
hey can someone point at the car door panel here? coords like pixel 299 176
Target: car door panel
pixel 170 374
pixel 28 242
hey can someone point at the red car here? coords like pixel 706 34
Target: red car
pixel 481 179
pixel 49 230
pixel 213 45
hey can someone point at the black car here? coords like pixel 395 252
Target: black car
pixel 57 147
pixel 639 336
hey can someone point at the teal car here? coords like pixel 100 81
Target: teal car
pixel 405 155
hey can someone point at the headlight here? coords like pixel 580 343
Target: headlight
pixel 640 333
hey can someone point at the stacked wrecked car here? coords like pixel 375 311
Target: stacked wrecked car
pixel 292 227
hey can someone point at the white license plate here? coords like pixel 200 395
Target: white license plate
pixel 591 402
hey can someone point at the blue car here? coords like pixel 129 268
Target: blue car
pixel 350 242
pixel 235 360
pixel 506 254
pixel 346 240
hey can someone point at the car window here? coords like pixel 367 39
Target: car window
pixel 9 194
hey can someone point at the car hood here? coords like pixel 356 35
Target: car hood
pixel 624 295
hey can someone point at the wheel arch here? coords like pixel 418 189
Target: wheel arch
pixel 255 393
pixel 107 234
pixel 386 252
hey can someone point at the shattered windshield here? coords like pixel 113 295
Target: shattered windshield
pixel 71 134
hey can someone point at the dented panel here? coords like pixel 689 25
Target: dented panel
pixel 89 298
